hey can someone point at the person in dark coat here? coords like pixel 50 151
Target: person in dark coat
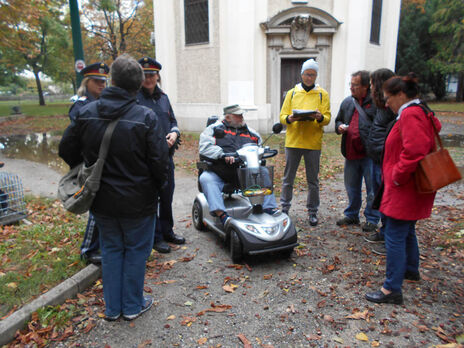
pixel 411 138
pixel 151 95
pixel 354 120
pixel 94 81
pixel 376 142
pixel 135 169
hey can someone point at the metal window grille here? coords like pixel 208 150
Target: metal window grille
pixel 196 21
pixel 375 21
pixel 12 204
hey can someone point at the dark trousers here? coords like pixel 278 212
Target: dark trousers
pixel 165 221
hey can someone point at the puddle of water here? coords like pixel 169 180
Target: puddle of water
pixel 35 147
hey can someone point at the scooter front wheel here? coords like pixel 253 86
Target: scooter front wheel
pixel 235 246
pixel 197 216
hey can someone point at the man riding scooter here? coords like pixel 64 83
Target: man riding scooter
pixel 234 134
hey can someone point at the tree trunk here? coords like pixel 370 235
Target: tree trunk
pixel 39 88
pixel 460 89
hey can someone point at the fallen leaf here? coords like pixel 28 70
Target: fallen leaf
pixel 267 276
pixel 171 317
pixel 359 315
pixel 338 340
pixel 375 344
pixel 362 337
pixel 12 285
pixel 244 340
pixel 188 303
pixel 202 340
pixel 145 344
pixel 229 288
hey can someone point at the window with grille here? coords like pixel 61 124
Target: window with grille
pixel 375 21
pixel 196 21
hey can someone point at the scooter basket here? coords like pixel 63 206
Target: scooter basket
pixel 12 204
pixel 256 181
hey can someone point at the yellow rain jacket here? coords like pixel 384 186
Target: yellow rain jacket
pixel 305 134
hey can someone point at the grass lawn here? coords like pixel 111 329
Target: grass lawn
pixel 450 106
pixel 35 258
pixel 32 108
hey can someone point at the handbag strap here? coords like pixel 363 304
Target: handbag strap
pixel 358 107
pixel 429 114
pixel 105 144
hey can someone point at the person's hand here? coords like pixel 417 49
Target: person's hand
pixel 292 118
pixel 229 159
pixel 171 138
pixel 342 128
pixel 318 116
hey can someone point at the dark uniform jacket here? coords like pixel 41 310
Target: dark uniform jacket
pixel 345 114
pixel 159 103
pixel 74 109
pixel 213 147
pixel 136 165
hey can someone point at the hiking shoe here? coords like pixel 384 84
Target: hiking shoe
pixel 272 211
pixel 147 303
pixel 348 221
pixel 224 218
pixel 414 276
pixel 369 226
pixel 112 317
pixel 374 238
pixel 313 220
pixel 380 250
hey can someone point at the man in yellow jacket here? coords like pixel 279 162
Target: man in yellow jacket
pixel 306 110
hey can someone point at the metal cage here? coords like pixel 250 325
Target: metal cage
pixel 12 204
pixel 256 182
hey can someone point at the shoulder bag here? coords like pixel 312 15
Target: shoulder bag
pixel 437 169
pixel 78 188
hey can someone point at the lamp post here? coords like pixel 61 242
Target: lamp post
pixel 79 62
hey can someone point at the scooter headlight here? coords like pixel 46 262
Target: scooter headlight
pixel 252 229
pixel 270 230
pixel 285 222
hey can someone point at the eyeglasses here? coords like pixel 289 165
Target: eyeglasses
pixel 355 85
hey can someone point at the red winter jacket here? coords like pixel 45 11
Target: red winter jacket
pixel 411 138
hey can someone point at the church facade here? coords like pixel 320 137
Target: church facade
pixel 220 52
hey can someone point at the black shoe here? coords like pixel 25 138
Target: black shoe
pixel 92 257
pixel 414 276
pixel 348 221
pixel 272 211
pixel 374 238
pixel 147 303
pixel 313 219
pixel 162 247
pixel 380 250
pixel 174 238
pixel 224 217
pixel 112 317
pixel 380 297
pixel 369 226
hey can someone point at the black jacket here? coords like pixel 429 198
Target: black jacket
pixel 378 133
pixel 346 113
pixel 78 104
pixel 137 161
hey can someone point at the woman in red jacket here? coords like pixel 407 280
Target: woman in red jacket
pixel 411 138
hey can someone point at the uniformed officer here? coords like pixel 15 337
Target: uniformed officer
pixel 92 85
pixel 95 77
pixel 153 97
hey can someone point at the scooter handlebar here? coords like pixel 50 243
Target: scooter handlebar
pixel 270 153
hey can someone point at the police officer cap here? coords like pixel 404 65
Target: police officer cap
pixel 149 65
pixel 98 71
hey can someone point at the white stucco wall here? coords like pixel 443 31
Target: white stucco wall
pixel 233 66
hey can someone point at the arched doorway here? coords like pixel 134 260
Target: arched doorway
pixel 294 35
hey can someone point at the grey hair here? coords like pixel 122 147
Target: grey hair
pixel 83 87
pixel 127 73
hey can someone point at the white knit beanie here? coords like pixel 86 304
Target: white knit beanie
pixel 309 64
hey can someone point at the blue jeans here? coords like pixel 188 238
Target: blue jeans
pixel 402 251
pixel 376 182
pixel 355 171
pixel 212 186
pixel 125 246
pixel 91 241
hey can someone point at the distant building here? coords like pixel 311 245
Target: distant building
pixel 219 52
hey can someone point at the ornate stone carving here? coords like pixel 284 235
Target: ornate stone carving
pixel 300 29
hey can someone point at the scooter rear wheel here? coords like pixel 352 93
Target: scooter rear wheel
pixel 235 246
pixel 197 216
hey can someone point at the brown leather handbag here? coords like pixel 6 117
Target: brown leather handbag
pixel 437 169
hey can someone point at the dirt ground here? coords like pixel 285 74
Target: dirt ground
pixel 313 299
